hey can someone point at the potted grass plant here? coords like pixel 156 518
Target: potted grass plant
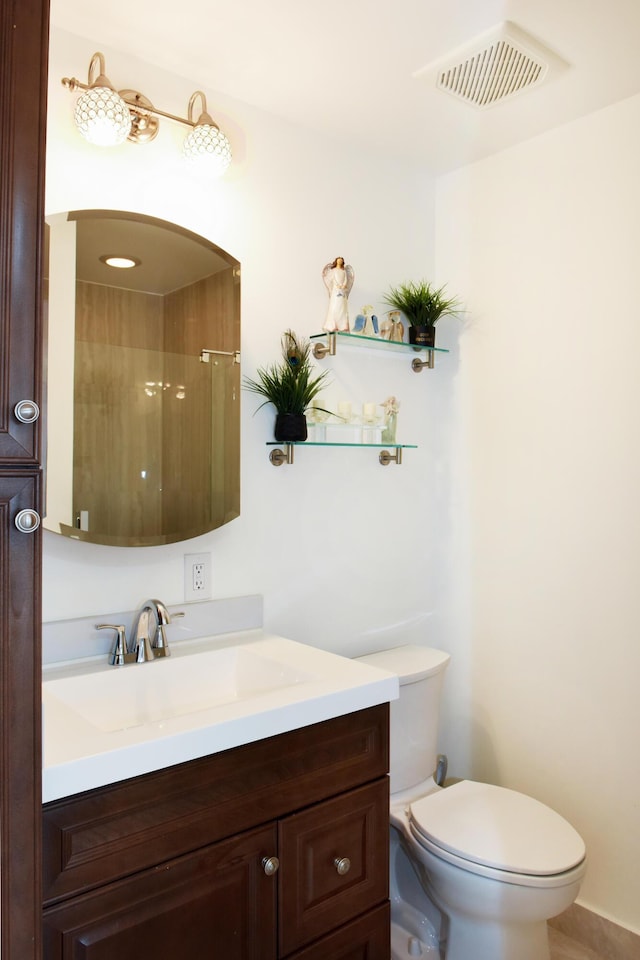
pixel 422 304
pixel 291 385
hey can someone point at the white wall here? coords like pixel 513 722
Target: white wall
pixel 543 242
pixel 348 555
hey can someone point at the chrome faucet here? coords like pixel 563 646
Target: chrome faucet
pixel 144 644
pixel 148 637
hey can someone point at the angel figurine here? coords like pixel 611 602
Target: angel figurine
pixel 338 280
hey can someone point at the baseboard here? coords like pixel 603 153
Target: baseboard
pixel 607 939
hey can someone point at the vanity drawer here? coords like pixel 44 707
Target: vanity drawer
pixel 334 864
pixel 97 837
pixel 366 938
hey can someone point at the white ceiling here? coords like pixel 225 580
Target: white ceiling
pixel 346 69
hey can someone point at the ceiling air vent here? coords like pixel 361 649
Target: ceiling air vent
pixel 501 63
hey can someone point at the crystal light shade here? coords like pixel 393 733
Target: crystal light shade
pixel 102 117
pixel 206 144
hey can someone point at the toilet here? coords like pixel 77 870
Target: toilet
pixel 476 869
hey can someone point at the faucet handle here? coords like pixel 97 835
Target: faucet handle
pixel 119 653
pixel 160 642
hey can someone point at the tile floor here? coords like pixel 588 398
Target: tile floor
pixel 564 948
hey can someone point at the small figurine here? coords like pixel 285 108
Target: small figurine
pixel 366 323
pixel 393 327
pixel 338 280
pixel 391 407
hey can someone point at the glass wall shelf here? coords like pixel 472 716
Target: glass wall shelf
pixel 278 456
pixel 321 350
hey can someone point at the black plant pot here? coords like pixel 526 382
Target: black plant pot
pixel 290 427
pixel 422 336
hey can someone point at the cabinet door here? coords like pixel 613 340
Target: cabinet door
pixel 214 903
pixel 23 77
pixel 334 864
pixel 20 761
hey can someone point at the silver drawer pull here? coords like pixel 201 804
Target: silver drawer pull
pixel 270 865
pixel 27 521
pixel 26 411
pixel 342 865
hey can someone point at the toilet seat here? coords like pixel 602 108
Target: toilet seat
pixel 488 828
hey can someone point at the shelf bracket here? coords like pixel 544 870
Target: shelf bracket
pixel 320 350
pixel 418 365
pixel 278 457
pixel 386 458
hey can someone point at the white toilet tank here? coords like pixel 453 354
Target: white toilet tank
pixel 414 716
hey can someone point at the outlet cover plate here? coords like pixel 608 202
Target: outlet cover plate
pixel 197 576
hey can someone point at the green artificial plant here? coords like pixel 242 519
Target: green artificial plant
pixel 291 384
pixel 421 303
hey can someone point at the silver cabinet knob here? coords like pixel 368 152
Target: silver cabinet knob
pixel 342 865
pixel 27 521
pixel 26 411
pixel 270 865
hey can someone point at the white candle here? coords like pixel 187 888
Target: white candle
pixel 369 409
pixel 344 409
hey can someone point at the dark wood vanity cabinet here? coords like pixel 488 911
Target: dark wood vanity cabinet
pixel 179 863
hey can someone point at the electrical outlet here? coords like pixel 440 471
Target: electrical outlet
pixel 197 576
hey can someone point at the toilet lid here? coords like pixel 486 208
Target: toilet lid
pixel 410 662
pixel 498 828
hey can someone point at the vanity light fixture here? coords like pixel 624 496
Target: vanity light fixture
pixel 106 117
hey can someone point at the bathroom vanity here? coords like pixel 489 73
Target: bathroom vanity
pixel 184 862
pixel 272 848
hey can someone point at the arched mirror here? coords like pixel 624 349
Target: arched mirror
pixel 143 381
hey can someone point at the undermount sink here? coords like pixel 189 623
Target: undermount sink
pixel 152 692
pixel 105 723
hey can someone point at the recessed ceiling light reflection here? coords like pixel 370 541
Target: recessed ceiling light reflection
pixel 121 263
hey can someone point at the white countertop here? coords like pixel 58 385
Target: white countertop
pixel 86 744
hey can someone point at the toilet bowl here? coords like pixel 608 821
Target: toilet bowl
pixel 483 866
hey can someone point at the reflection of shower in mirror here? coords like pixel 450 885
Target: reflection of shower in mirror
pixel 143 436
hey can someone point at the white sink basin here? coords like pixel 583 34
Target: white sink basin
pixel 103 723
pixel 148 693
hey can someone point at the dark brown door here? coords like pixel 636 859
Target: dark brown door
pixel 23 63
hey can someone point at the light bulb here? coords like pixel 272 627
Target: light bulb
pixel 102 117
pixel 206 145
